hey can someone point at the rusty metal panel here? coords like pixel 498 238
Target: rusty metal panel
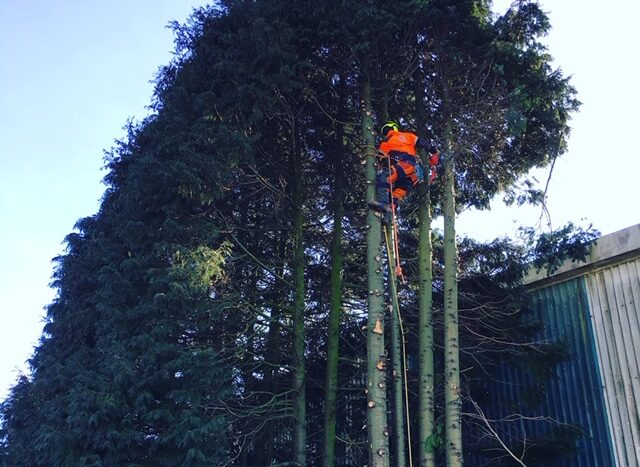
pixel 614 300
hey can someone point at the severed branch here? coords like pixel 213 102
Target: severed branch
pixel 480 415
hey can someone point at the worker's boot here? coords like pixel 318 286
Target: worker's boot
pixel 387 217
pixel 381 204
pixel 378 207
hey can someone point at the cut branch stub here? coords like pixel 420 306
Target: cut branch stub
pixel 378 327
pixel 371 404
pixel 380 365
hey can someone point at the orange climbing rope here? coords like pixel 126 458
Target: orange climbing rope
pixel 396 244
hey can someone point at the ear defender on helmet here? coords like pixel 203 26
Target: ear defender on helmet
pixel 387 127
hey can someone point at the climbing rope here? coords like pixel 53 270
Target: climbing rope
pixel 396 245
pixel 391 259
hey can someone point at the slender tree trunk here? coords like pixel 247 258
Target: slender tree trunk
pixel 273 359
pixel 377 429
pixel 265 437
pixel 299 397
pixel 425 331
pixel 453 403
pixel 335 300
pixel 258 447
pixel 425 299
pixel 399 427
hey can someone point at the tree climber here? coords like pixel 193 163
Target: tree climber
pixel 399 166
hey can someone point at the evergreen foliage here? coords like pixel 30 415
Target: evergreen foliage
pixel 214 311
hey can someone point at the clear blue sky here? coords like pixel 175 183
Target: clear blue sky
pixel 72 72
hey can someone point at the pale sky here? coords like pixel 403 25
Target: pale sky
pixel 72 72
pixel 596 43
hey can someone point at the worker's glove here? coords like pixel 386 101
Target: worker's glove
pixel 434 159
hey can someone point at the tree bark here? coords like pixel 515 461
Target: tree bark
pixel 399 426
pixel 377 429
pixel 335 300
pixel 425 300
pixel 299 396
pixel 453 403
pixel 399 423
pixel 273 359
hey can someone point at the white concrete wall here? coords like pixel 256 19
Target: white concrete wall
pixel 608 249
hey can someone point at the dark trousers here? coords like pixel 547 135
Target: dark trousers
pixel 401 176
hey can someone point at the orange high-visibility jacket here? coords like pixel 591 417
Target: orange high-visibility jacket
pixel 399 141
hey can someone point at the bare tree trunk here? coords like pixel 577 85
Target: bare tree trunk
pixel 399 426
pixel 299 396
pixel 425 298
pixel 377 429
pixel 273 360
pixel 335 300
pixel 453 402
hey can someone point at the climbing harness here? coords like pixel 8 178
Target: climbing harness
pixel 394 224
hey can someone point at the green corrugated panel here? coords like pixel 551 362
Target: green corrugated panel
pixel 575 396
